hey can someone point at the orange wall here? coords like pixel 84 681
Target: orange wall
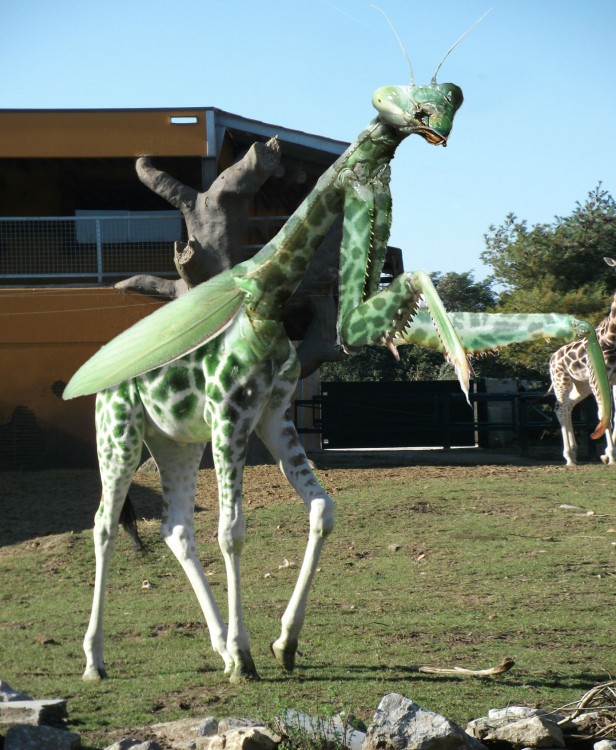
pixel 45 335
pixel 100 133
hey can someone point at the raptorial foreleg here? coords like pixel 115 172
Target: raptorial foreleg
pixel 280 436
pixel 384 317
pixel 481 332
pixel 367 316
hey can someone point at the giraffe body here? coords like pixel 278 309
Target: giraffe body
pixel 220 392
pixel 573 381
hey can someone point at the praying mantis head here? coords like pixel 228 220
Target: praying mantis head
pixel 425 110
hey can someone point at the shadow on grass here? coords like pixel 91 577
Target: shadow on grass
pixel 394 674
pixel 36 504
pixel 386 673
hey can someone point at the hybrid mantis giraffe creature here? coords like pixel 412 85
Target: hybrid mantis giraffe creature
pixel 216 364
pixel 230 369
pixel 573 381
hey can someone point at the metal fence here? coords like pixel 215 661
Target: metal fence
pixel 439 418
pixel 93 249
pixel 97 247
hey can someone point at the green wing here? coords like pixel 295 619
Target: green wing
pixel 172 331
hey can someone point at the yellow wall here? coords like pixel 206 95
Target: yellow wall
pixel 45 335
pixel 101 133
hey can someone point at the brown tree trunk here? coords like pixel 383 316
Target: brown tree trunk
pixel 216 222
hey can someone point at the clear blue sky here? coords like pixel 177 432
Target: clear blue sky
pixel 536 132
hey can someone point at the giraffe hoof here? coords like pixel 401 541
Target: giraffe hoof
pixel 244 670
pixel 239 677
pixel 94 674
pixel 285 656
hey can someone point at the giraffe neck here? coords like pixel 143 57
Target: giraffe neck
pixel 606 330
pixel 275 272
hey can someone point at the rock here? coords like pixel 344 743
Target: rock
pixel 486 727
pixel 230 722
pixel 513 713
pixel 129 742
pixel 8 694
pixel 33 712
pixel 604 745
pixel 242 738
pixel 217 742
pixel 27 737
pixel 400 724
pixel 331 729
pixel 207 727
pixel 180 735
pixel 533 732
pixel 248 738
pixel 351 721
pixel 208 734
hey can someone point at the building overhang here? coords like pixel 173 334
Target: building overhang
pixel 113 133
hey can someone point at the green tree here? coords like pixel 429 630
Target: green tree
pixel 554 267
pixel 461 293
pixel 563 256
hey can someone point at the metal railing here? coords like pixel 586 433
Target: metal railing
pixel 101 247
pixel 91 249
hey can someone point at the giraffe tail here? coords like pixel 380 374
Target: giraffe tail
pixel 128 521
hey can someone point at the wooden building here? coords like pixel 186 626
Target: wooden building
pixel 75 219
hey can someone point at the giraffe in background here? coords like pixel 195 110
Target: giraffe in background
pixel 572 381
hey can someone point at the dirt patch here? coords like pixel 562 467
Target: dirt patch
pixel 38 504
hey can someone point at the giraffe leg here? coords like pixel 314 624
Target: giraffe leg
pixel 280 436
pixel 178 465
pixel 568 392
pixel 119 436
pixel 563 412
pixel 230 431
pixel 609 457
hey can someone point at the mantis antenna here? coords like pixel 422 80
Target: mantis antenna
pixel 393 28
pixel 455 44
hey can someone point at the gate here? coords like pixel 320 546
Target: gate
pixel 393 415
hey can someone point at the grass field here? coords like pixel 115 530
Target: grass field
pixel 439 566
